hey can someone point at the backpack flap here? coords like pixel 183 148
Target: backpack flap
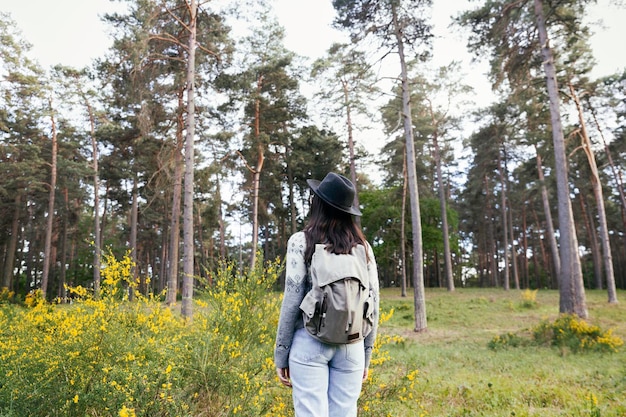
pixel 330 267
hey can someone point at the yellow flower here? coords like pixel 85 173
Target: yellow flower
pixel 75 399
pixel 127 412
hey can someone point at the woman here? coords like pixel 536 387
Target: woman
pixel 326 379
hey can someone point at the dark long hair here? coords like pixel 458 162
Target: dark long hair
pixel 335 228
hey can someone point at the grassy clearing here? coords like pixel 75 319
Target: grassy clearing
pixel 109 357
pixel 459 375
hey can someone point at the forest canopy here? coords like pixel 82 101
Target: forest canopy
pixel 98 159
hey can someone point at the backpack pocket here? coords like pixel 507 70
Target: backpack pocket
pixel 368 315
pixel 311 307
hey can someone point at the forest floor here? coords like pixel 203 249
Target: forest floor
pixel 478 356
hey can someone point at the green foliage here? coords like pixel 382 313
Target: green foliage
pixel 506 340
pixel 6 296
pixel 529 298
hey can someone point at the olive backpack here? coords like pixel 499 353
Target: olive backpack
pixel 339 307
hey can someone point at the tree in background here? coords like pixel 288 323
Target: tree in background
pixel 516 34
pixel 348 85
pixel 263 84
pixel 21 147
pixel 397 25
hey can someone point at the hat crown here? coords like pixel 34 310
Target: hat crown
pixel 336 190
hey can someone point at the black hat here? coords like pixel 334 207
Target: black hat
pixel 336 190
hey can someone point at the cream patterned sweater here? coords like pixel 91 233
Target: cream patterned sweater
pixel 297 284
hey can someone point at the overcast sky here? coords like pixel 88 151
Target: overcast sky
pixel 70 31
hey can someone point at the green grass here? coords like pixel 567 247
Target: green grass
pixel 460 376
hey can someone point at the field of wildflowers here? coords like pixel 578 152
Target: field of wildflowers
pixel 114 357
pixel 108 356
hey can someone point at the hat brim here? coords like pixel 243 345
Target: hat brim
pixel 314 185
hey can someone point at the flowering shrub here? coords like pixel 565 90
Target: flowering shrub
pixel 382 387
pixel 231 368
pixel 506 340
pixel 6 296
pixel 569 331
pixel 108 356
pixel 103 357
pixel 529 298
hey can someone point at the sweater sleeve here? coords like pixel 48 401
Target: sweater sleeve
pixel 295 290
pixel 375 287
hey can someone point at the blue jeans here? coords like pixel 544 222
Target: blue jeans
pixel 326 379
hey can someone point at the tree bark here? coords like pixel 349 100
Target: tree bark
pixel 9 264
pixel 134 219
pixel 607 257
pixel 346 100
pixel 617 174
pixel 188 252
pixel 174 246
pixel 256 173
pixel 96 203
pixel 505 226
pixel 447 256
pixel 556 259
pixel 571 287
pixel 596 253
pixel 402 226
pixel 419 299
pixel 50 219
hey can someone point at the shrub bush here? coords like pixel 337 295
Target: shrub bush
pixel 569 331
pixel 108 356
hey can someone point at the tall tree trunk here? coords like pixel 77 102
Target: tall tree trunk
pixel 220 211
pixel 173 258
pixel 9 264
pixel 346 102
pixel 188 251
pixel 256 173
pixel 163 265
pixel 596 253
pixel 571 287
pixel 607 257
pixel 525 274
pixel 62 293
pixel 556 259
pixel 50 220
pixel 491 249
pixel 617 174
pixel 505 226
pixel 105 205
pixel 402 225
pixel 134 213
pixel 96 202
pixel 514 268
pixel 447 256
pixel 292 203
pixel 201 248
pixel 419 298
